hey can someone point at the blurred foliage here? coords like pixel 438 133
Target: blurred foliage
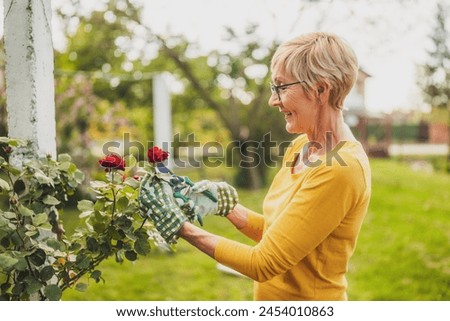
pixel 235 86
pixel 435 74
pixel 400 133
pixel 222 97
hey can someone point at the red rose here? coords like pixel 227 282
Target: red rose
pixel 157 155
pixel 112 161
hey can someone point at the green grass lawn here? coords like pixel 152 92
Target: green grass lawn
pixel 403 251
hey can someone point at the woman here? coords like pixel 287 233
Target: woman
pixel 315 207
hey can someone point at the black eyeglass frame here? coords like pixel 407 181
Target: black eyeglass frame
pixel 275 88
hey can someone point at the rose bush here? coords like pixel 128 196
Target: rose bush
pixel 37 260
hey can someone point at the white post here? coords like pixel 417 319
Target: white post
pixel 162 114
pixel 29 76
pixel 30 94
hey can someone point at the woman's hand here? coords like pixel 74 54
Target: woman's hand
pixel 157 202
pixel 213 198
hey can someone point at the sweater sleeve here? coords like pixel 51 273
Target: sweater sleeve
pixel 254 227
pixel 316 209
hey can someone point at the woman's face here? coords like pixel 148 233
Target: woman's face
pixel 300 110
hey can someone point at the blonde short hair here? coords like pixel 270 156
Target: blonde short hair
pixel 320 57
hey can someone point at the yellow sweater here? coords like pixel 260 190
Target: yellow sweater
pixel 309 228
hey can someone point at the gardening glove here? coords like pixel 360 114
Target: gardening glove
pixel 212 198
pixel 157 202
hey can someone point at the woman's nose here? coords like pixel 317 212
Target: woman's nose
pixel 274 99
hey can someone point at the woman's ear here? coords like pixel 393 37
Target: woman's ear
pixel 322 92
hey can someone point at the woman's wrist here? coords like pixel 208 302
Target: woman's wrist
pixel 238 216
pixel 204 241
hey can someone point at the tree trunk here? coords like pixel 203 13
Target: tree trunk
pixel 250 167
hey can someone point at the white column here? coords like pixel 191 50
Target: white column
pixel 29 76
pixel 162 114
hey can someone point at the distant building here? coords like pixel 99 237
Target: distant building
pixel 355 106
pixel 358 118
pixel 355 101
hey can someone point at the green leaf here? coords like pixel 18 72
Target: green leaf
pixel 3 221
pixel 122 203
pixel 7 262
pixel 4 185
pixel 4 241
pixel 99 227
pixel 38 257
pixel 75 246
pixel 96 275
pixel 40 219
pixel 50 200
pixel 82 287
pixel 64 158
pixel 105 248
pixel 92 244
pixel 43 179
pixel 33 285
pixel 12 170
pixel 142 247
pixel 54 244
pixel 116 234
pixel 25 211
pixel 79 176
pixel 12 141
pixel 19 186
pixel 85 205
pixel 16 238
pixel 124 222
pixel 21 265
pixel 53 292
pixel 46 273
pixel 64 166
pixel 9 215
pixel 98 184
pixel 18 288
pixel 131 255
pixel 85 214
pixel 37 194
pixel 99 204
pixel 82 261
pixel 32 233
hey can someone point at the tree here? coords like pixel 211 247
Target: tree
pixel 235 86
pixel 435 75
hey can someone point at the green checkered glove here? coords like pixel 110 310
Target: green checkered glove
pixel 157 201
pixel 213 198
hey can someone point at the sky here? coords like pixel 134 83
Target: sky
pixel 390 37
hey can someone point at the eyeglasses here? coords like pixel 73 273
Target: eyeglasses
pixel 277 89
